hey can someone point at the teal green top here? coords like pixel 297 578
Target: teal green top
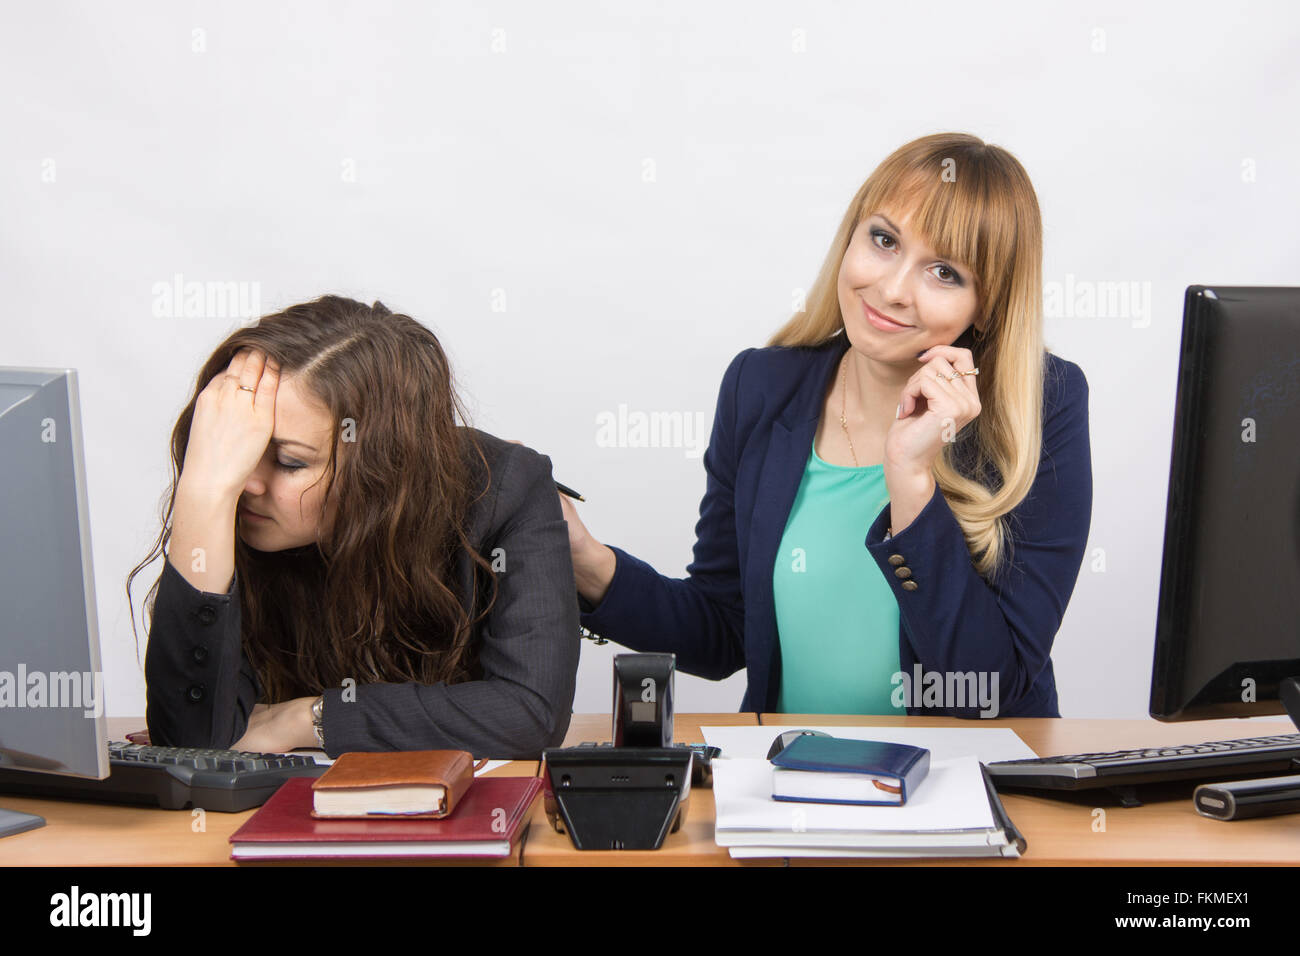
pixel 836 615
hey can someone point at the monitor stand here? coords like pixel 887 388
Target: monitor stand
pixel 11 822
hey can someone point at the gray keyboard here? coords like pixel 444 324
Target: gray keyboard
pixel 174 778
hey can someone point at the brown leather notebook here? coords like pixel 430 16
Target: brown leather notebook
pixel 415 784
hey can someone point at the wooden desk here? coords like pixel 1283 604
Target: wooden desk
pixel 94 834
pixel 1059 830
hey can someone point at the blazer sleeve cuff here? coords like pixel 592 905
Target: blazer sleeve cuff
pixel 615 606
pixel 191 595
pixel 194 668
pixel 343 723
pixel 915 549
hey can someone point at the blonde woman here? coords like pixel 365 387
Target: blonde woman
pixel 899 487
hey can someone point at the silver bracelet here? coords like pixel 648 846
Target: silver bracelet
pixel 318 719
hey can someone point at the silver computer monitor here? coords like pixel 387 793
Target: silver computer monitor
pixel 51 683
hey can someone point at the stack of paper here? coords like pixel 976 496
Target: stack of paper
pixel 954 813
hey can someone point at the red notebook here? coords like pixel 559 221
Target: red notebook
pixel 485 824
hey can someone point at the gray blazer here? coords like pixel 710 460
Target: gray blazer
pixel 201 688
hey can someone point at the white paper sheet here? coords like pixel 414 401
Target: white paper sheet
pixel 986 743
pixel 952 797
pixel 763 852
pixel 316 755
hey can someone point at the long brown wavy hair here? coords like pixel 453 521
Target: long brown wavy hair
pixel 972 202
pixel 376 598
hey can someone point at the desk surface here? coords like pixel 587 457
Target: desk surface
pixel 1061 830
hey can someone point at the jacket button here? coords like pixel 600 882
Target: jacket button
pixel 200 655
pixel 903 572
pixel 207 614
pixel 909 585
pixel 895 559
pixel 195 692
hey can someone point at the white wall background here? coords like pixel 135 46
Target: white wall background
pixel 429 154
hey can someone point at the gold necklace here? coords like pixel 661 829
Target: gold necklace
pixel 844 422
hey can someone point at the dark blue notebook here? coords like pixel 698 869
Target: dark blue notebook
pixel 839 770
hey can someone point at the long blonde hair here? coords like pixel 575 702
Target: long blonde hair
pixel 973 203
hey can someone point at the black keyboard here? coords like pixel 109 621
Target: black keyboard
pixel 174 778
pixel 1214 760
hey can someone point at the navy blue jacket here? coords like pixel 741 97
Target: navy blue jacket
pixel 722 616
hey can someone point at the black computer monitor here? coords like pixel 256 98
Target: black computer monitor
pixel 1228 621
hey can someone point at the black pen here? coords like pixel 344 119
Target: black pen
pixel 566 490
